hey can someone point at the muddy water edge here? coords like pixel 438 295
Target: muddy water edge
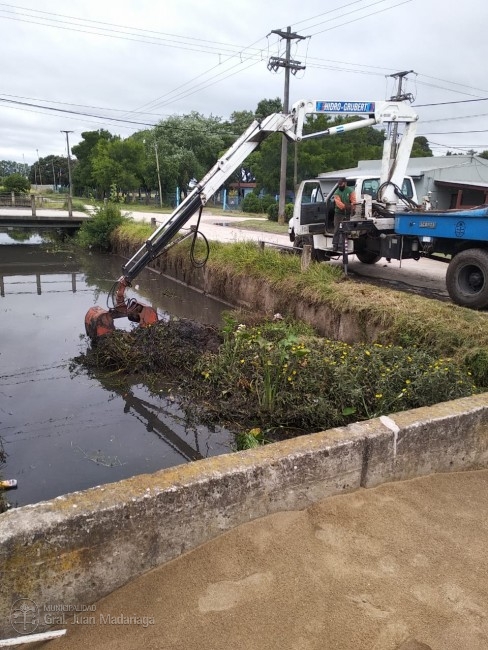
pixel 61 429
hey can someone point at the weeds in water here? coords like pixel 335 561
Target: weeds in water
pixel 250 439
pixel 273 377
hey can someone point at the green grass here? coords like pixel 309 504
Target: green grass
pixel 390 316
pixel 262 225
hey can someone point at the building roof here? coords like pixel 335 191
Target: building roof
pixel 417 167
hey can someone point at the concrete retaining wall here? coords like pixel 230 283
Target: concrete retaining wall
pixel 77 548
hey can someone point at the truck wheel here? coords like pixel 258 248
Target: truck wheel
pixel 318 255
pixel 467 278
pixel 367 257
pixel 299 242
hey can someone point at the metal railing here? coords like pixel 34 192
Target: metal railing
pixel 35 201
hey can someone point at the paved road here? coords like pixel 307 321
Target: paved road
pixel 362 571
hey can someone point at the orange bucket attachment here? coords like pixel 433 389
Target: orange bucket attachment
pixel 98 322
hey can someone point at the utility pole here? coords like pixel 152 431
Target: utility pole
pixel 159 175
pixel 54 176
pixel 293 66
pixel 398 97
pixel 69 163
pixel 39 167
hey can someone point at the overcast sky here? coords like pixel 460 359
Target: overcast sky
pixel 141 61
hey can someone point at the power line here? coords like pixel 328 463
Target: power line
pixel 65 110
pixel 238 50
pixel 200 45
pixel 459 101
pixel 373 13
pixel 204 45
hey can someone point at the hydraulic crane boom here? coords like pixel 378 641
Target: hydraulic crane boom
pixel 100 321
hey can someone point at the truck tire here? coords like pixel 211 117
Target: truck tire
pixel 318 255
pixel 300 241
pixel 467 278
pixel 367 257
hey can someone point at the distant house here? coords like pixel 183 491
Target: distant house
pixel 452 181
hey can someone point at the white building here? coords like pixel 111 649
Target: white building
pixel 453 181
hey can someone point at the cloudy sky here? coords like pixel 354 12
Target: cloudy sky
pixel 123 64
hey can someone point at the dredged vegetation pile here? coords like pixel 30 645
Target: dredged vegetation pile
pixel 270 379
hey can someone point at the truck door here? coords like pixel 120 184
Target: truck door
pixel 312 206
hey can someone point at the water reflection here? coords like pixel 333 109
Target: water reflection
pixel 65 430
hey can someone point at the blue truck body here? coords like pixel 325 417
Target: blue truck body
pixel 458 225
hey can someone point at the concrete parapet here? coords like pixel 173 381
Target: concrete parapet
pixel 75 549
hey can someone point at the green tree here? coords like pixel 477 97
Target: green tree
pixel 17 183
pixel 188 146
pixel 421 148
pixel 83 177
pixel 267 107
pixel 118 162
pixel 52 170
pixel 8 167
pixel 240 122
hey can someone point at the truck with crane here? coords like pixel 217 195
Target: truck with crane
pixel 375 230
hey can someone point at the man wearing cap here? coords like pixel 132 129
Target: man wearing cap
pixel 344 198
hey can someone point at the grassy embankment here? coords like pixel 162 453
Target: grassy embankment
pixel 269 380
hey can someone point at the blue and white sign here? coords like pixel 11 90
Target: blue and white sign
pixel 344 107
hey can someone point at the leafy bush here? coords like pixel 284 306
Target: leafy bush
pixel 252 203
pixel 96 232
pixel 273 211
pixel 266 201
pixel 17 183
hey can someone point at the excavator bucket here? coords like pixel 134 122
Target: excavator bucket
pixel 99 322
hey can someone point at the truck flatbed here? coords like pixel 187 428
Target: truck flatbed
pixel 471 224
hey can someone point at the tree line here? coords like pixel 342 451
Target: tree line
pixel 187 146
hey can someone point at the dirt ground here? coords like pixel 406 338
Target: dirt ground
pixel 370 570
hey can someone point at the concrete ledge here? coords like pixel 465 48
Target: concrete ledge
pixel 76 549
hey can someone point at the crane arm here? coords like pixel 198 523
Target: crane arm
pixel 99 321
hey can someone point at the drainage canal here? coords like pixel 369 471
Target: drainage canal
pixel 63 430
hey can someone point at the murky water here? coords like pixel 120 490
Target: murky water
pixel 63 430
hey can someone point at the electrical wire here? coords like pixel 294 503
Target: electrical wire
pixel 196 44
pixel 199 263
